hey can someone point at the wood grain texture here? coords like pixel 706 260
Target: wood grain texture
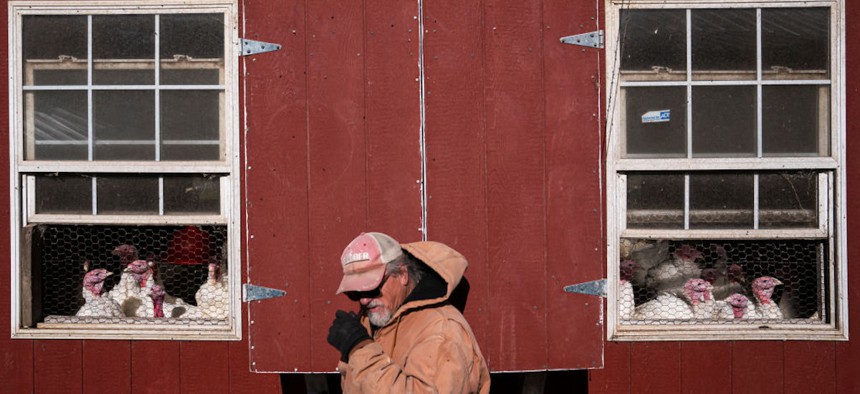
pixel 805 360
pixel 706 365
pixel 276 183
pixel 337 160
pixel 757 366
pixel 575 226
pixel 655 367
pixel 155 367
pixel 205 367
pixel 106 366
pixel 393 112
pixel 455 141
pixel 58 366
pixel 614 377
pixel 516 193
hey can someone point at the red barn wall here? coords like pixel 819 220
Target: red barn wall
pixel 495 77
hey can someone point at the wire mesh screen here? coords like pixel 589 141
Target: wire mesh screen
pixel 129 272
pixel 708 282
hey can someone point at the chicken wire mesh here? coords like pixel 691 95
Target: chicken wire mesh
pixel 130 274
pixel 723 282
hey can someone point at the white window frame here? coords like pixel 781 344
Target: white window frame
pixel 22 176
pixel 832 199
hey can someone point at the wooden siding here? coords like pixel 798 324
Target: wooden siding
pixel 511 140
pixel 498 91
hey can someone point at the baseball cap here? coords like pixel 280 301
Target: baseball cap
pixel 364 261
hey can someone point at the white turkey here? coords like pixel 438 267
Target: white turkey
pixel 694 301
pixel 762 289
pixel 134 292
pixel 672 274
pixel 95 302
pixel 626 299
pixel 646 253
pixel 735 306
pixel 727 278
pixel 212 297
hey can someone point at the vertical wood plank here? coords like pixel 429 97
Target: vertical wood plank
pixel 57 366
pixel 456 149
pixel 575 218
pixel 106 366
pixel 706 365
pixel 848 353
pixel 758 366
pixel 155 367
pixel 276 181
pixel 805 360
pixel 16 358
pixel 655 367
pixel 393 112
pixel 614 377
pixel 516 191
pixel 337 159
pixel 204 367
pixel 241 379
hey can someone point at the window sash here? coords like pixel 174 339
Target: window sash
pixel 228 167
pixel 831 227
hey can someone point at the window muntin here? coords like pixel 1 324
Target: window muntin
pixel 126 139
pixel 716 151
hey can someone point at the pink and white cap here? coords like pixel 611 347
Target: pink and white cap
pixel 364 261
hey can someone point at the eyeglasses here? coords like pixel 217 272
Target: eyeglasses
pixel 357 295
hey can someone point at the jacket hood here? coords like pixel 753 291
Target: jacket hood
pixel 449 264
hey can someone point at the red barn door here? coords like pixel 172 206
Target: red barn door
pixel 466 123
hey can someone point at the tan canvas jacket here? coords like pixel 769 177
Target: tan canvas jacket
pixel 427 346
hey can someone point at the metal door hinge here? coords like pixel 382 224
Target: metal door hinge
pixel 593 39
pixel 253 293
pixel 252 47
pixel 595 287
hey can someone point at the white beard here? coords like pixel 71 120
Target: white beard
pixel 379 319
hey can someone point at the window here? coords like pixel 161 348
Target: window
pixel 725 170
pixel 125 166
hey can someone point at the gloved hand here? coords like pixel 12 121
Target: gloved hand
pixel 345 332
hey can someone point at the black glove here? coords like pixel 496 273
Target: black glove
pixel 345 332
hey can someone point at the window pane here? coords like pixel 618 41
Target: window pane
pixel 788 200
pixel 179 255
pixel 724 121
pixel 724 44
pixel 123 37
pixel 192 194
pixel 191 36
pixel 795 43
pixel 654 41
pixel 48 39
pixel 655 201
pixel 57 127
pixel 127 195
pixel 66 194
pixel 794 121
pixel 191 125
pixel 737 273
pixel 648 134
pixel 721 201
pixel 124 125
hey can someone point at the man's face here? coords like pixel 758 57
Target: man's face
pixel 381 303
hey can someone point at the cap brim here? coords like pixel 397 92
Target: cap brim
pixel 366 276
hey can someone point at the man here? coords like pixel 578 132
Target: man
pixel 406 338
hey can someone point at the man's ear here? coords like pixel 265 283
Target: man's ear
pixel 403 276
